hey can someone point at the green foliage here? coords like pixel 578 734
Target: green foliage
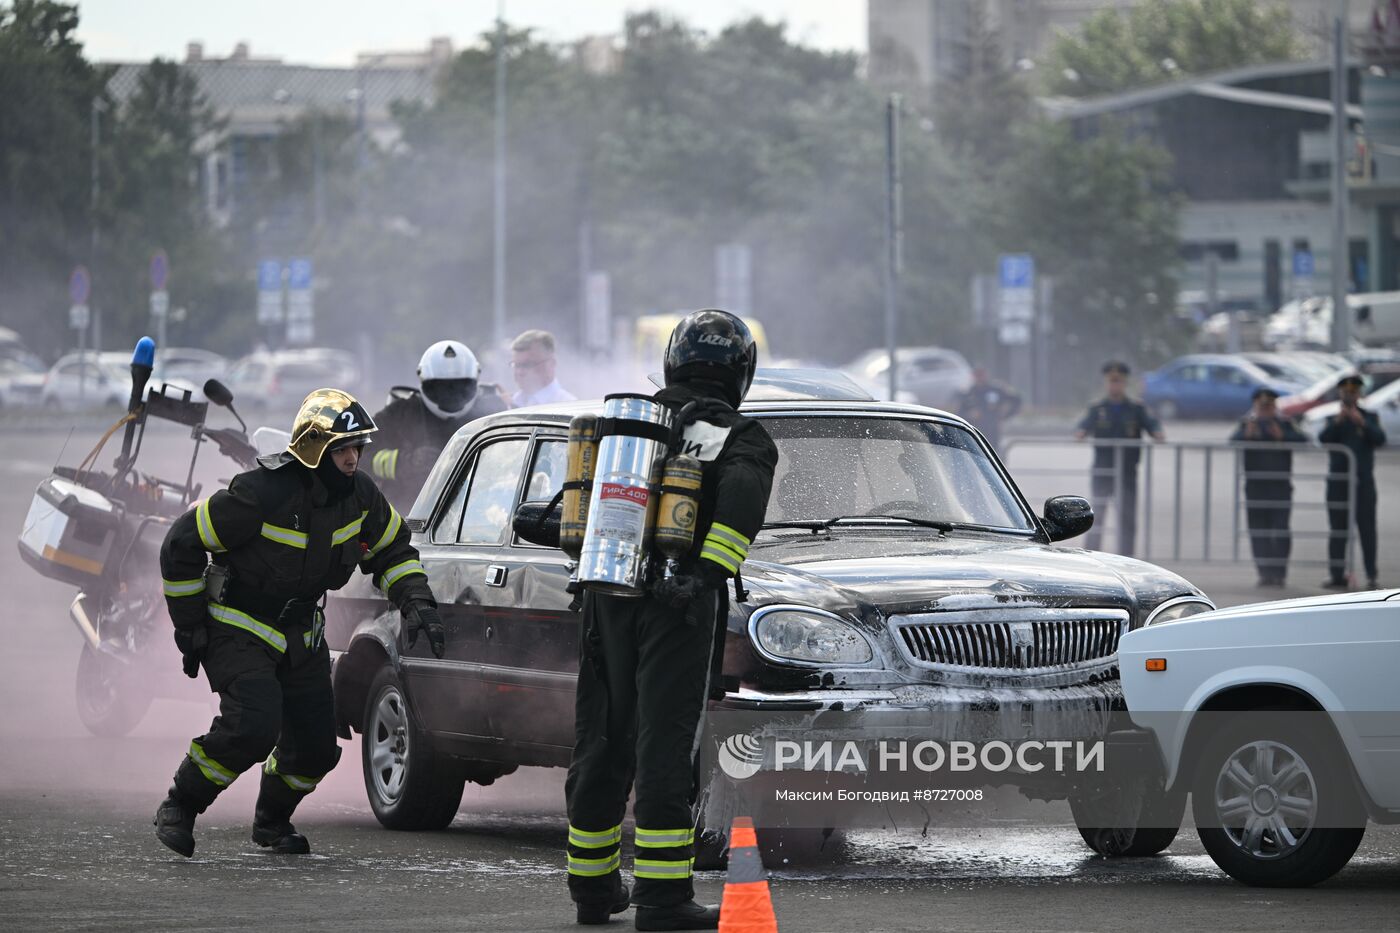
pixel 46 94
pixel 1161 40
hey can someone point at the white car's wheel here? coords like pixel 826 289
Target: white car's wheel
pixel 1275 810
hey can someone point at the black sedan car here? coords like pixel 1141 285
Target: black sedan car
pixel 900 569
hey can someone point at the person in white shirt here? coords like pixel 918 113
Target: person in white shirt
pixel 532 361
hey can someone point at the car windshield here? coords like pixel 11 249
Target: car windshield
pixel 845 467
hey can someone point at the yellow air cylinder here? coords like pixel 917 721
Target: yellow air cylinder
pixel 680 503
pixel 578 483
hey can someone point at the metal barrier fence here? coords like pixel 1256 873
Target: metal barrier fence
pixel 1191 496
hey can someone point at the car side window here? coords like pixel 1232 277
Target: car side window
pixel 547 471
pixel 490 493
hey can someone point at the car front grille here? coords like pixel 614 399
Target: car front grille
pixel 1011 641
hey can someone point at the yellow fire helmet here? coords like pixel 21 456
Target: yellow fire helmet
pixel 328 419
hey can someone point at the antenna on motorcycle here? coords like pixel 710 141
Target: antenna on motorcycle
pixel 218 393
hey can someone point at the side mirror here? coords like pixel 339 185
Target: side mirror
pixel 1067 517
pixel 218 393
pixel 538 522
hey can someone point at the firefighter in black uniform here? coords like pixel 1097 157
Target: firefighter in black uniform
pixel 280 536
pixel 417 424
pixel 645 662
pixel 1268 491
pixel 1114 480
pixel 1360 430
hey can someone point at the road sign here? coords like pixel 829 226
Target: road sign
pixel 79 286
pixel 269 291
pixel 301 308
pixel 1303 265
pixel 1016 297
pixel 160 271
pixel 78 316
pixel 299 275
pixel 160 304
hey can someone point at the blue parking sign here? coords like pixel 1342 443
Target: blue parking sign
pixel 270 275
pixel 1303 266
pixel 299 275
pixel 1016 270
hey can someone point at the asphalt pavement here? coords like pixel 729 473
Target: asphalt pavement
pixel 77 850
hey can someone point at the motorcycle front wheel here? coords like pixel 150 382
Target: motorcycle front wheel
pixel 110 702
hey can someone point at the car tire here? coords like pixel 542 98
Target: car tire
pixel 109 704
pixel 1320 851
pixel 410 786
pixel 1168 410
pixel 1158 823
pixel 786 847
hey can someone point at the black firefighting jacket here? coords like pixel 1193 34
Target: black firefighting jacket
pixel 410 438
pixel 282 538
pixel 737 458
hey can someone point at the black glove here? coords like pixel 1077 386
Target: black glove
pixel 682 589
pixel 425 616
pixel 193 642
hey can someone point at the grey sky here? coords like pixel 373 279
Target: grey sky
pixel 332 31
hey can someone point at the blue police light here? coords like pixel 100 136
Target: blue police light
pixel 145 352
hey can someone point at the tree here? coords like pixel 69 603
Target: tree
pixel 47 91
pixel 1160 40
pixel 1101 221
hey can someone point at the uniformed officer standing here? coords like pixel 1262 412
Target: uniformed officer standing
pixel 1115 468
pixel 280 536
pixel 987 403
pixel 1360 430
pixel 1268 491
pixel 645 662
pixel 415 426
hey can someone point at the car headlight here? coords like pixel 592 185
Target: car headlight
pixel 1179 608
pixel 807 636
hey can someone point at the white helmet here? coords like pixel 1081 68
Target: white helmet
pixel 448 373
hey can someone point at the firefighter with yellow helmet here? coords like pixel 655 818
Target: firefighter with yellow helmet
pixel 245 574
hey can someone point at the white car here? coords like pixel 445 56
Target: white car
pixel 1282 720
pixel 935 375
pixel 1385 402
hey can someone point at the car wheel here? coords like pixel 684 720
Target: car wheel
pixel 410 786
pixel 1156 826
pixel 1274 810
pixel 1168 410
pixel 109 704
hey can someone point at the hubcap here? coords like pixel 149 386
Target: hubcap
pixel 388 737
pixel 1266 799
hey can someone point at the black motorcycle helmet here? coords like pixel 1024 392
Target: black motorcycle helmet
pixel 714 346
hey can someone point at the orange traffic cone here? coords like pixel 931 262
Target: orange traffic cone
pixel 747 906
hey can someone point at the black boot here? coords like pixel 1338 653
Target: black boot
pixel 601 911
pixel 174 823
pixel 686 916
pixel 272 827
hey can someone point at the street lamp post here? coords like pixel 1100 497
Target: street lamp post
pixel 498 270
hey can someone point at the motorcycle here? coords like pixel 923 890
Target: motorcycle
pixel 102 532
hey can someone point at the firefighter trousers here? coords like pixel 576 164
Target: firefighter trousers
pixel 274 706
pixel 643 678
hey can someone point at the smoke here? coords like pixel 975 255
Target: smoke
pixel 54 755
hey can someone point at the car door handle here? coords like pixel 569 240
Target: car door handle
pixel 496 575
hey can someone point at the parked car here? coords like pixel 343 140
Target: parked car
pixel 1280 720
pixel 895 538
pixel 21 382
pixel 1308 322
pixel 277 382
pixel 1377 376
pixel 1384 402
pixel 90 379
pixel 1207 385
pixel 935 375
pixel 1214 333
